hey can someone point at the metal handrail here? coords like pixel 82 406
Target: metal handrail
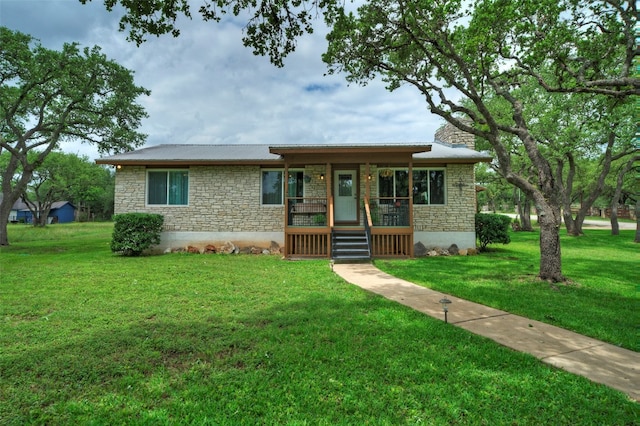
pixel 367 222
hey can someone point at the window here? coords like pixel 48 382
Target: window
pixel 168 187
pixel 392 184
pixel 296 184
pixel 428 185
pixel 272 187
pixel 345 185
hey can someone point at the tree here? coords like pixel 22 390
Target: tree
pixel 447 49
pixel 489 52
pixel 69 177
pixel 93 191
pixel 632 164
pixel 581 135
pixel 48 96
pixel 272 28
pixel 496 194
pixel 48 184
pixel 590 43
pixel 594 134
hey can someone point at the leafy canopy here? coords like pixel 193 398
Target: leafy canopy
pixel 49 96
pixel 272 27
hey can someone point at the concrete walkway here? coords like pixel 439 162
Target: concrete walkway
pixel 598 361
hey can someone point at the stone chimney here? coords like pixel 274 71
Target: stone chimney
pixel 454 136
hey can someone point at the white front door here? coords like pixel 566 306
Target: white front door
pixel 345 195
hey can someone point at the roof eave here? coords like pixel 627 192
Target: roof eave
pixel 348 149
pixel 175 163
pixel 449 160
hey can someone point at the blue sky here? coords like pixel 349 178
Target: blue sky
pixel 208 88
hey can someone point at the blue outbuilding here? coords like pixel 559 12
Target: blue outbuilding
pixel 61 212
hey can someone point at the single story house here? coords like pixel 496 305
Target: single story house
pixel 61 212
pixel 334 201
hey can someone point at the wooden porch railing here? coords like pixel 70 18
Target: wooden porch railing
pixel 308 227
pixel 388 211
pixel 391 230
pixel 391 242
pixel 306 212
pixel 386 220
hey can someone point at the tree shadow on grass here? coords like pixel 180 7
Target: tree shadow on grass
pixel 508 281
pixel 317 360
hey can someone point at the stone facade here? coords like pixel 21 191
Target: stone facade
pixel 224 205
pixel 454 136
pixel 221 199
pixel 458 214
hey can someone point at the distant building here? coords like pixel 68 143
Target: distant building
pixel 61 212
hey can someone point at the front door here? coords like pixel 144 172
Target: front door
pixel 345 195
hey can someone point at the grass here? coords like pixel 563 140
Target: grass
pixel 92 338
pixel 601 300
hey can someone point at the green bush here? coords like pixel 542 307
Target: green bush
pixel 492 228
pixel 135 232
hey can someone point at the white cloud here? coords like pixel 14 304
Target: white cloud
pixel 207 88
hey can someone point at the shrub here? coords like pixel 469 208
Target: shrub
pixel 135 232
pixel 492 228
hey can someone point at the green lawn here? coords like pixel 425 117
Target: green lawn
pixel 601 299
pixel 92 338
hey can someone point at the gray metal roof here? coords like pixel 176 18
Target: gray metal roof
pixel 448 152
pixel 21 205
pixel 259 153
pixel 195 153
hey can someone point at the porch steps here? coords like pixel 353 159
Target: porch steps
pixel 350 246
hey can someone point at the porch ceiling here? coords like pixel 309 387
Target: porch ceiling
pixel 317 154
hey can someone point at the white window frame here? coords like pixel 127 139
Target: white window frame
pixel 281 171
pixel 304 184
pixel 146 195
pixel 415 169
pixel 444 173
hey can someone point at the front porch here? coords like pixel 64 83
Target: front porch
pixel 344 202
pixel 384 224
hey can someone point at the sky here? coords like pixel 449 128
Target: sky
pixel 207 88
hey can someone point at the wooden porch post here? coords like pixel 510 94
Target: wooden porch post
pixel 286 207
pixel 286 183
pixel 367 186
pixel 327 175
pixel 411 205
pixel 328 179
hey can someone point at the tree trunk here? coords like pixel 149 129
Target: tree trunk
pixel 578 222
pixel 637 239
pixel 569 223
pixel 5 211
pixel 43 218
pixel 550 256
pixel 615 226
pixel 524 211
pixel 566 189
pixel 12 190
pixel 549 219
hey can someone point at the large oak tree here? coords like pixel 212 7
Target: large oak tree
pixel 583 136
pixel 491 51
pixel 49 96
